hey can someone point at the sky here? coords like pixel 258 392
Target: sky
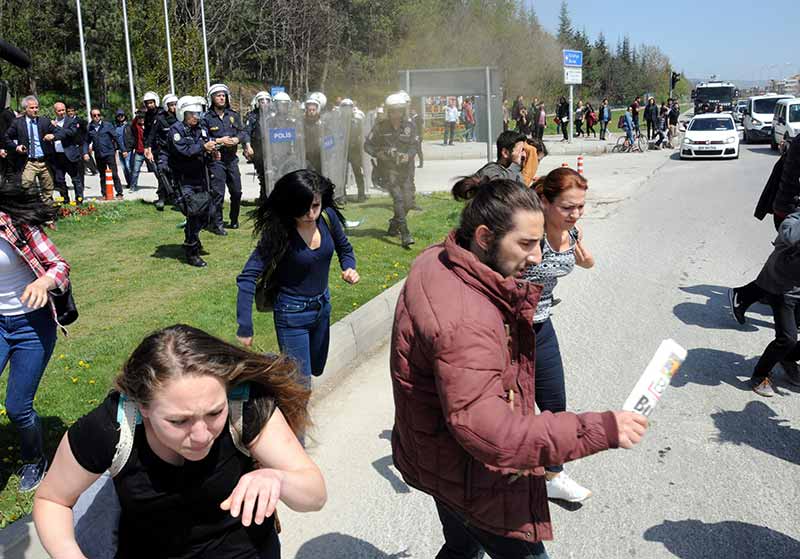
pixel 742 40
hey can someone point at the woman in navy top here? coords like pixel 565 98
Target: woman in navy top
pixel 290 227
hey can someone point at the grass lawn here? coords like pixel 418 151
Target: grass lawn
pixel 129 279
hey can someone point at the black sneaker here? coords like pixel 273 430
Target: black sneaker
pixel 219 231
pixel 31 475
pixel 159 204
pixel 231 226
pixel 736 305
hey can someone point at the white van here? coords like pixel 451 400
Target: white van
pixel 757 118
pixel 785 121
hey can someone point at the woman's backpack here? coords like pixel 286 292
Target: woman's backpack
pixel 621 122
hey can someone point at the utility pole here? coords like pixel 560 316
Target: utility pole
pixel 130 64
pixel 83 60
pixel 169 49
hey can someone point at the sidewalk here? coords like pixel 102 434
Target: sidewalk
pixel 612 177
pixel 434 150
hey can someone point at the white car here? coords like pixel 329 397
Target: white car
pixel 757 120
pixel 711 135
pixel 786 121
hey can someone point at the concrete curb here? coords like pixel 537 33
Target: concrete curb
pixel 354 337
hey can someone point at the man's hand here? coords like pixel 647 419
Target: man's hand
pixel 86 157
pixel 631 427
pixel 248 152
pixel 351 276
pixel 21 149
pixel 124 154
pixel 148 154
pixel 3 153
pixel 210 146
pixel 49 137
pixel 246 342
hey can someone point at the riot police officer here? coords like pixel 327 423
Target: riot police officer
pixel 355 156
pixel 190 157
pixel 393 142
pixel 313 130
pixel 225 127
pixel 254 149
pixel 157 141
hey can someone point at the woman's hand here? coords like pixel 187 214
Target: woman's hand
pixel 351 276
pixel 255 496
pixel 35 295
pixel 246 342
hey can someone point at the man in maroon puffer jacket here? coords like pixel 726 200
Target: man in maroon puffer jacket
pixel 462 372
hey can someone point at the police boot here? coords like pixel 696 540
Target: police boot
pixel 193 256
pixel 159 204
pixel 394 228
pixel 406 240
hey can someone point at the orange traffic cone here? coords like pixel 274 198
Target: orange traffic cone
pixel 580 165
pixel 108 191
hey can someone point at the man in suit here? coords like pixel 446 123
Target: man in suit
pixel 68 154
pixel 31 139
pixel 102 140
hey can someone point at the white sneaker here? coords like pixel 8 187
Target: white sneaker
pixel 565 488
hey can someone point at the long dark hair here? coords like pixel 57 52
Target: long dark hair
pixel 491 202
pixel 291 198
pixel 25 206
pixel 184 350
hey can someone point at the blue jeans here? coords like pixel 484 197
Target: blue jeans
pixel 464 541
pixel 137 159
pixel 551 394
pixel 27 341
pixel 126 166
pixel 303 328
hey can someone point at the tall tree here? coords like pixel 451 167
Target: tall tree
pixel 566 34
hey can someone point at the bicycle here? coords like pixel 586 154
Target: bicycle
pixel 624 146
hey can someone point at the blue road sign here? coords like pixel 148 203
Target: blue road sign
pixel 573 58
pixel 275 89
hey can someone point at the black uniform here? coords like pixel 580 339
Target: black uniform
pixel 158 139
pixel 395 149
pixel 225 165
pixel 254 132
pixel 313 132
pixel 355 154
pixel 190 164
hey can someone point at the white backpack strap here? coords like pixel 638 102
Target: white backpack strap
pixel 236 424
pixel 236 399
pixel 127 417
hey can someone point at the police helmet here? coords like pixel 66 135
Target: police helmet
pixel 169 98
pixel 150 96
pixel 346 103
pixel 397 101
pixel 217 88
pixel 260 97
pixel 282 97
pixel 319 98
pixel 190 104
pixel 405 95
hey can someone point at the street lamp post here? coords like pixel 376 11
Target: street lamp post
pixel 169 49
pixel 83 59
pixel 205 43
pixel 128 52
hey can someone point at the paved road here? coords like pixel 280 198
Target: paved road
pixel 717 475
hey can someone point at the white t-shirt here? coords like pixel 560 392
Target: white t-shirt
pixel 451 114
pixel 15 275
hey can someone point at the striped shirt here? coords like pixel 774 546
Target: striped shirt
pixel 553 266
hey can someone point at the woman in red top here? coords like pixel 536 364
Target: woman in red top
pixel 137 157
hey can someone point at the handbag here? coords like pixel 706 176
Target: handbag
pixel 66 310
pixel 266 288
pixel 196 204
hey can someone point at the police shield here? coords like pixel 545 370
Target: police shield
pixel 359 161
pixel 283 142
pixel 334 142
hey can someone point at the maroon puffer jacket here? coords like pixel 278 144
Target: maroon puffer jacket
pixel 462 371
